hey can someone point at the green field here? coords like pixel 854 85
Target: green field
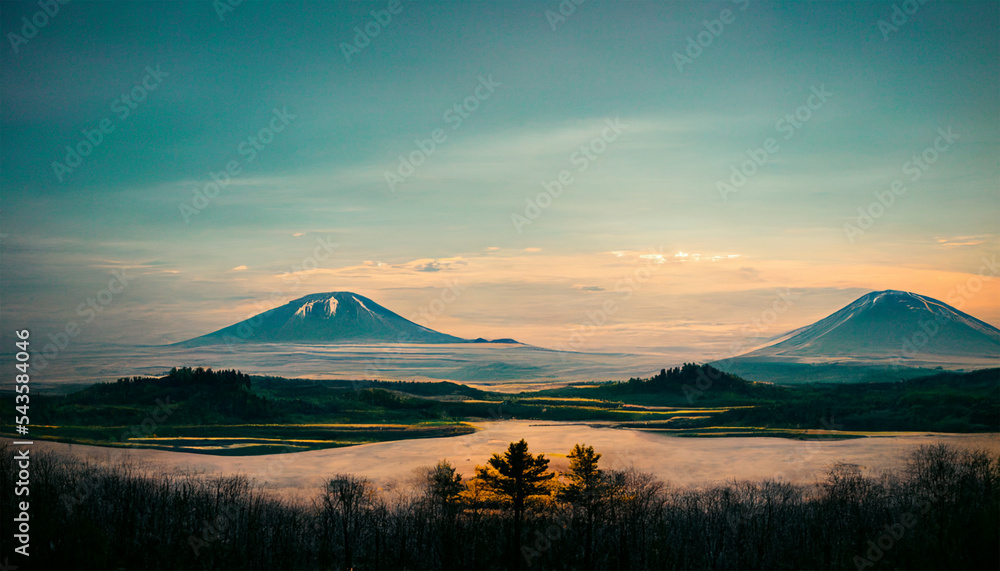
pixel 228 412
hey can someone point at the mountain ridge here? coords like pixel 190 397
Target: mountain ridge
pixel 330 317
pixel 888 324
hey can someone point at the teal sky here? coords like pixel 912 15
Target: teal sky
pixel 651 192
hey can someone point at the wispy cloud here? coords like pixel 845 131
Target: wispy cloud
pixel 957 241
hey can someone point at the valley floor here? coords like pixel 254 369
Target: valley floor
pixel 679 461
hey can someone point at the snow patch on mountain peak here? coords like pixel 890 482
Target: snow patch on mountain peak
pixel 362 304
pixel 318 308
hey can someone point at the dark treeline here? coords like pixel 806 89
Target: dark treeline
pixel 694 376
pixel 945 402
pixel 683 386
pixel 942 402
pixel 186 376
pixel 940 511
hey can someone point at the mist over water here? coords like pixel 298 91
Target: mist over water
pixel 680 461
pixel 486 364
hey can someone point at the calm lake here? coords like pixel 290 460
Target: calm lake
pixel 681 461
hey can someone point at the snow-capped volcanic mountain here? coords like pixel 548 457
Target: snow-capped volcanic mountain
pixel 890 325
pixel 334 317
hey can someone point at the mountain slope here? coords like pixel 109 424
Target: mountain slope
pixel 889 325
pixel 333 317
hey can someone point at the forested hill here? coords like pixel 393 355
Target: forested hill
pixel 229 411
